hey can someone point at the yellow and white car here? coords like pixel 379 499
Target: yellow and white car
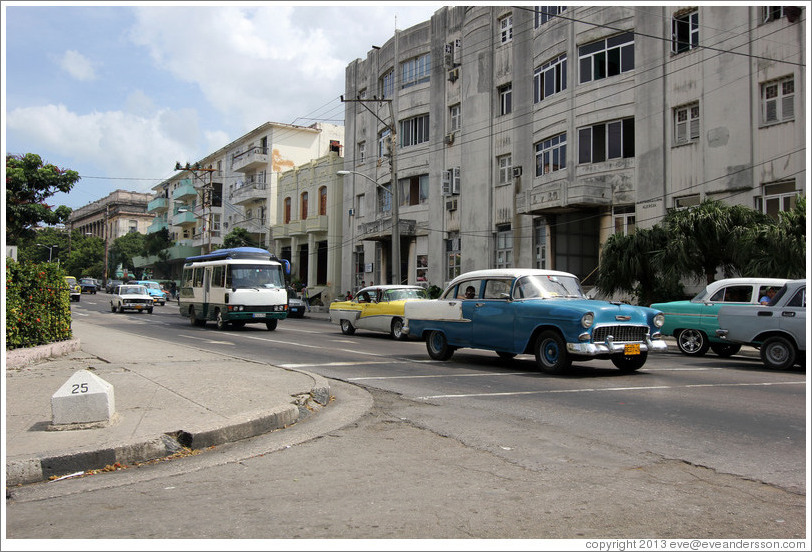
pixel 376 308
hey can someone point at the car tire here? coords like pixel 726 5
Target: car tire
pixel 504 355
pixel 437 346
pixel 551 353
pixel 149 311
pixel 346 327
pixel 778 353
pixel 218 319
pixel 120 308
pixel 271 324
pixel 397 329
pixel 629 363
pixel 692 342
pixel 725 350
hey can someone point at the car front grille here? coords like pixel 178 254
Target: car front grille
pixel 626 333
pixel 138 302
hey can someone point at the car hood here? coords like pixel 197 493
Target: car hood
pixel 606 311
pixel 675 306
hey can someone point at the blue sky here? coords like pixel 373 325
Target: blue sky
pixel 120 93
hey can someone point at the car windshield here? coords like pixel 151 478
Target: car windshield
pixel 133 290
pixel 152 285
pixel 548 287
pixel 254 276
pixel 401 294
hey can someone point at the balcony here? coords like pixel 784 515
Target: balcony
pixel 316 224
pixel 249 192
pixel 185 218
pixel 158 205
pixel 251 160
pixel 280 231
pixel 185 190
pixel 158 224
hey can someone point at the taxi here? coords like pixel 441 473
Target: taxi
pixel 376 308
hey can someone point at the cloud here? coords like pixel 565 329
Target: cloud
pixel 77 66
pixel 117 142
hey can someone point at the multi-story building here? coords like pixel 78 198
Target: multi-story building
pixel 526 136
pixel 119 213
pixel 309 220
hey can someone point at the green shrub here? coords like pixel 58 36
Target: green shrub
pixel 37 304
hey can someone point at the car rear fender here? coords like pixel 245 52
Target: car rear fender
pixel 762 337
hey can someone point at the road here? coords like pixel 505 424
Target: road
pixel 474 447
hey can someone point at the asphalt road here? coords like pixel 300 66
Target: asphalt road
pixel 474 447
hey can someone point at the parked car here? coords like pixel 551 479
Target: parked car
pixel 296 305
pixel 693 323
pixel 531 311
pixel 111 284
pixel 778 328
pixel 376 308
pixel 74 288
pixel 88 285
pixel 154 289
pixel 131 297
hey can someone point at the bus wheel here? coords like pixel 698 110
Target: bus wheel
pixel 194 319
pixel 271 325
pixel 218 317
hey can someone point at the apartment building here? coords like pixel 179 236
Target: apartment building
pixel 526 136
pixel 115 215
pixel 309 220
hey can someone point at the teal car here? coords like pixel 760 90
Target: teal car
pixel 694 323
pixel 154 289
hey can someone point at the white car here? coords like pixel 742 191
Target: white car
pixel 131 297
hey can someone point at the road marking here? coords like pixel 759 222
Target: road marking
pixel 80 314
pixel 595 390
pixel 333 364
pixel 207 340
pixel 438 375
pixel 283 342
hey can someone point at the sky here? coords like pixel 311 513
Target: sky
pixel 120 92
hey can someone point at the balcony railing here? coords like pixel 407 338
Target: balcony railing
pixel 185 190
pixel 158 224
pixel 251 159
pixel 249 191
pixel 159 204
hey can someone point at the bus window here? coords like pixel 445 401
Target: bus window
pixel 255 276
pixel 217 276
pixel 197 278
pixel 187 277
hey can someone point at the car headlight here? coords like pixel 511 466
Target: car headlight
pixel 587 319
pixel 659 320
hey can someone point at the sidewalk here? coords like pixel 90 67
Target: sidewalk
pixel 166 397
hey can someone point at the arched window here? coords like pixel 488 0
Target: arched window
pixel 304 206
pixel 323 200
pixel 287 210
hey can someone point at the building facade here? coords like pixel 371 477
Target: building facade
pixel 119 213
pixel 526 136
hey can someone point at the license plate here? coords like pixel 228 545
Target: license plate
pixel 631 349
pixel 259 315
pixel 139 306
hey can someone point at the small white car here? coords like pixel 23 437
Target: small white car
pixel 131 297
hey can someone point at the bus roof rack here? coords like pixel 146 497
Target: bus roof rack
pixel 235 253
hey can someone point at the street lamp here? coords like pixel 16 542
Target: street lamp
pixel 395 224
pixel 50 250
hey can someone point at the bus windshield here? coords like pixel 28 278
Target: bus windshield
pixel 260 276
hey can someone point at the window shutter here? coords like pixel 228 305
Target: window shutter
pixel 455 185
pixel 788 107
pixel 446 182
pixel 770 111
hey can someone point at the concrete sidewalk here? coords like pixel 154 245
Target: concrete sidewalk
pixel 167 397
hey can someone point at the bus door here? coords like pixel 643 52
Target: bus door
pixel 206 291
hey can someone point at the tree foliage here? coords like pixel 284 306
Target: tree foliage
pixel 29 183
pixel 238 237
pixel 777 249
pixel 122 251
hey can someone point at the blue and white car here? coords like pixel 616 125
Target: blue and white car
pixel 531 311
pixel 154 289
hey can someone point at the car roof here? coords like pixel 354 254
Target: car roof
pixel 389 286
pixel 508 273
pixel 778 282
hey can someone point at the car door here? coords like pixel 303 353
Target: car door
pixel 792 317
pixel 734 294
pixel 493 317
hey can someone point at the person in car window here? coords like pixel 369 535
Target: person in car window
pixel 470 292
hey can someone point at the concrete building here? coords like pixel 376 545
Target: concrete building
pixel 526 136
pixel 121 212
pixel 309 218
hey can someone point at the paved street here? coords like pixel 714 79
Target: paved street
pixel 468 448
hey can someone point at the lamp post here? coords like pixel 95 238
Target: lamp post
pixel 50 250
pixel 395 225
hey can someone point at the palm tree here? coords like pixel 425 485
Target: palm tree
pixel 777 249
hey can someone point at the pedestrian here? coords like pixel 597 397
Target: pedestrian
pixel 348 297
pixel 305 297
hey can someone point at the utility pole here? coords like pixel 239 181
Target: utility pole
pixel 208 192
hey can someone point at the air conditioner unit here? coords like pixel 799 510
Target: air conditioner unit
pixel 352 212
pixel 449 138
pixel 454 74
pixel 451 205
pixel 517 172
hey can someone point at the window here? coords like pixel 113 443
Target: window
pixel 771 13
pixel 550 78
pixel 362 151
pixel 304 206
pixel 547 13
pixel 778 101
pixel 133 226
pixel 504 165
pixel 451 181
pixel 685 32
pixel 624 219
pixel 613 140
pixel 287 210
pixel 778 196
pixel 359 205
pixel 506 29
pixel 505 99
pixel 414 190
pixel 686 124
pixel 454 118
pixel 606 58
pixel 504 247
pixel 415 71
pixel 323 200
pixel 422 272
pixel 551 154
pixel 540 242
pixel 414 131
pixel 384 198
pixel 388 84
pixel 686 201
pixel 384 144
pixel 452 253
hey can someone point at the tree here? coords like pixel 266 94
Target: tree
pixel 123 249
pixel 704 238
pixel 29 183
pixel 238 237
pixel 777 249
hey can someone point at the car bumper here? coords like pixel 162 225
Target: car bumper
pixel 611 348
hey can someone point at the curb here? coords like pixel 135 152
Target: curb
pixel 17 358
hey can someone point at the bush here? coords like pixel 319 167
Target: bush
pixel 37 304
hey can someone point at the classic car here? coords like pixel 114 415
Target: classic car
pixel 131 297
pixel 88 285
pixel 296 305
pixel 111 285
pixel 154 289
pixel 376 308
pixel 74 288
pixel 693 323
pixel 778 328
pixel 532 311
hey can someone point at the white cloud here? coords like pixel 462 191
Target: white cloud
pixel 139 103
pixel 77 66
pixel 118 143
